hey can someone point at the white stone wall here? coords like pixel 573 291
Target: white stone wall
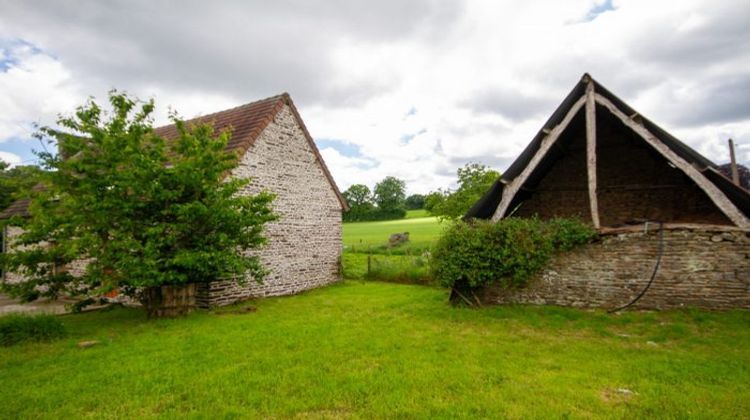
pixel 10 234
pixel 304 245
pixel 75 268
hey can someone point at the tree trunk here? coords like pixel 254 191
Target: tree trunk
pixel 169 300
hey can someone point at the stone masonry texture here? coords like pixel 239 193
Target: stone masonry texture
pixel 304 246
pixel 700 268
pixel 10 233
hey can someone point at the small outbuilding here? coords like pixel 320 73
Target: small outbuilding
pixel 277 154
pixel 671 223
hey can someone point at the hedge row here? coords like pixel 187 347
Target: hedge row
pixel 374 214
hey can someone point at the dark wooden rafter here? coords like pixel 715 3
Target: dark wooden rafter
pixel 591 152
pixel 733 203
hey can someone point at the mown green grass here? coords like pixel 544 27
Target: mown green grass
pixel 361 236
pixel 403 263
pixel 364 350
pixel 417 214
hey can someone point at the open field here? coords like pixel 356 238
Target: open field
pixel 382 350
pixel 417 214
pixel 423 232
pixel 407 263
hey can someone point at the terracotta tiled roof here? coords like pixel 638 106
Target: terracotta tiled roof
pixel 18 208
pixel 245 122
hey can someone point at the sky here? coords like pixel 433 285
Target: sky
pixel 412 89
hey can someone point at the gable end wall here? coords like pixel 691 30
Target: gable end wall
pixel 304 245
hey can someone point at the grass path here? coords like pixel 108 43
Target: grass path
pixel 367 350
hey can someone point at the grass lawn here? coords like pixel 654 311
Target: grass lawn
pixel 368 349
pixel 423 232
pixel 416 214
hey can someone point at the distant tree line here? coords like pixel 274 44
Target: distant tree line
pixel 388 200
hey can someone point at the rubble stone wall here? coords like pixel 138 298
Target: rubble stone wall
pixel 304 246
pixel 699 268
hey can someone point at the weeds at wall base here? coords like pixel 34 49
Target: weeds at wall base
pixel 22 328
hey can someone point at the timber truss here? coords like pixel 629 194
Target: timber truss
pixel 588 98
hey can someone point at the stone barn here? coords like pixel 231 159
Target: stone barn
pixel 279 155
pixel 673 230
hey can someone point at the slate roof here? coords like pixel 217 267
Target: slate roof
pixel 485 207
pixel 246 123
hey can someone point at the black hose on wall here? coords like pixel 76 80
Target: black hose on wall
pixel 653 274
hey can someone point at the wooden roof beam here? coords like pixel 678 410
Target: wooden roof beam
pixel 512 188
pixel 591 152
pixel 719 199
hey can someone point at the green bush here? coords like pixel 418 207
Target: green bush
pixel 17 328
pixel 569 233
pixel 508 252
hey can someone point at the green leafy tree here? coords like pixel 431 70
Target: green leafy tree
pixel 359 198
pixel 415 202
pixel 390 193
pixel 16 182
pixel 433 200
pixel 390 197
pixel 474 180
pixel 141 211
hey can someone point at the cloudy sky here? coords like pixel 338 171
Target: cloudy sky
pixel 413 89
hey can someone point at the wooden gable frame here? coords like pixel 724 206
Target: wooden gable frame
pixel 589 99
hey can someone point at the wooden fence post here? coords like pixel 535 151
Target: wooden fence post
pixel 369 262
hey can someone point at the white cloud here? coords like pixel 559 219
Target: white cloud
pixel 34 88
pixel 10 158
pixel 482 76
